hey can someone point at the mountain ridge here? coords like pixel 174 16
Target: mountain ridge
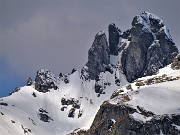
pixel 57 105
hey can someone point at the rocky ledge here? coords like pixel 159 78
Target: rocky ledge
pixel 116 119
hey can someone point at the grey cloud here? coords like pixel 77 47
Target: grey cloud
pixel 58 34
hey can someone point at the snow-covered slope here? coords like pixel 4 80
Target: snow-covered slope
pixel 149 105
pixel 20 112
pixel 159 93
pixel 34 112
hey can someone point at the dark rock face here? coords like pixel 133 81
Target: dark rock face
pixel 117 120
pixel 168 46
pixel 74 103
pixel 114 35
pixel 16 90
pixel 43 115
pixel 3 103
pixel 98 56
pixel 29 81
pixel 45 80
pixel 64 77
pixel 154 59
pixel 126 34
pixel 102 121
pixel 150 48
pixel 176 62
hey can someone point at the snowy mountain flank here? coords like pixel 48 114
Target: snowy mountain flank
pixel 129 86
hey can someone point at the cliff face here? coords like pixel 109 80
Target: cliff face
pixel 142 50
pixel 98 56
pixel 117 120
pixel 151 47
pixel 114 38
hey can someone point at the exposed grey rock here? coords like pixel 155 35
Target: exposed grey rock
pixel 176 62
pixel 29 81
pixel 98 88
pixel 154 59
pixel 168 46
pixel 126 34
pixel 98 56
pixel 13 121
pixel 1 113
pixel 74 103
pixel 114 35
pixel 43 115
pixel 151 47
pixel 125 124
pixel 73 70
pixel 3 103
pixel 84 73
pixel 78 131
pixel 45 80
pixel 33 94
pixel 26 130
pixel 16 90
pixel 64 78
pixel 71 101
pixel 71 113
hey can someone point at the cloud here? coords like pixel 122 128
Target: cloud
pixel 58 34
pixel 44 40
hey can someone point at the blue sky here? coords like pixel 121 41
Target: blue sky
pixel 57 34
pixel 8 78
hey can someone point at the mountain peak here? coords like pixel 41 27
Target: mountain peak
pixel 148 21
pixel 114 38
pixel 143 50
pixel 99 34
pixel 98 56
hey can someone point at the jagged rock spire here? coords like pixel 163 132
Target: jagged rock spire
pixel 98 56
pixel 114 36
pixel 151 47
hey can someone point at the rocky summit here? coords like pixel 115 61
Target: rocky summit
pixel 150 47
pixel 114 37
pixel 144 48
pixel 129 86
pixel 98 56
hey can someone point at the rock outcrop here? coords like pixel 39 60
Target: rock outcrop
pixel 45 80
pixel 144 48
pixel 98 56
pixel 114 119
pixel 151 47
pixel 114 37
pixel 176 62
